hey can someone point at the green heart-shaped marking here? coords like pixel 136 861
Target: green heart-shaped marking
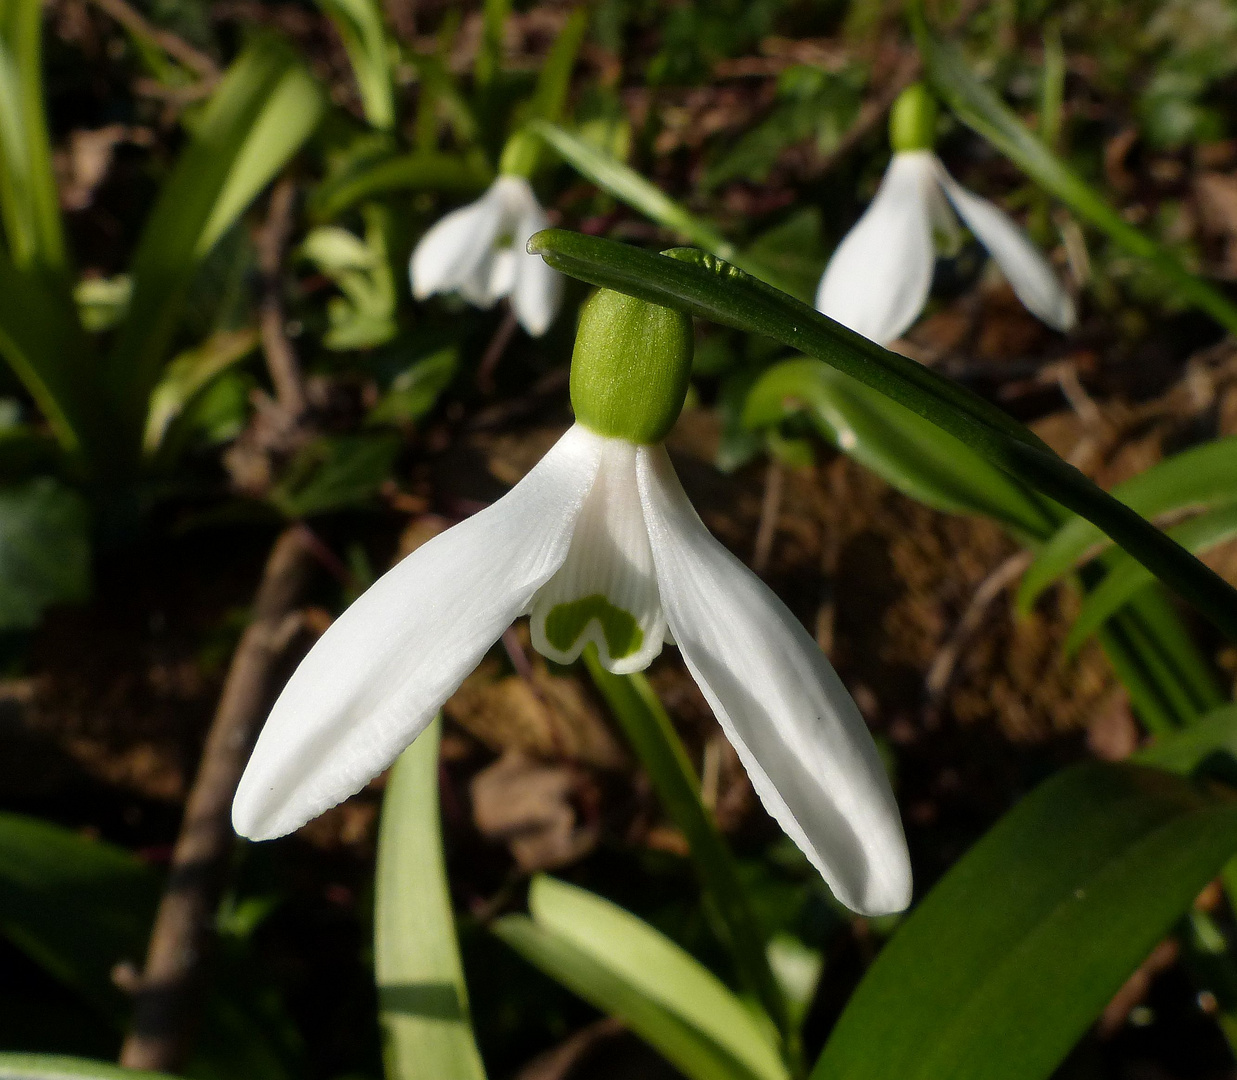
pixel 566 622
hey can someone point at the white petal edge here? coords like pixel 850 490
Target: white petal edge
pixel 796 729
pixel 376 678
pixel 1028 272
pixel 538 291
pixel 878 279
pixel 460 246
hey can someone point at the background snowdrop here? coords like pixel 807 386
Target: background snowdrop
pixel 479 252
pixel 600 544
pixel 878 279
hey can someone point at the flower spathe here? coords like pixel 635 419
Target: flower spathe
pixel 878 279
pixel 480 252
pixel 599 545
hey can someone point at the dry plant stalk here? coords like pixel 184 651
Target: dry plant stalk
pixel 169 992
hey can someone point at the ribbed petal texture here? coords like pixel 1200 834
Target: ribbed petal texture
pixel 796 729
pixel 376 678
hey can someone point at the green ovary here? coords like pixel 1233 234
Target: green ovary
pixel 566 622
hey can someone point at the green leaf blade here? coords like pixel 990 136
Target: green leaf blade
pixel 1199 478
pixel 1008 960
pixel 628 969
pixel 422 998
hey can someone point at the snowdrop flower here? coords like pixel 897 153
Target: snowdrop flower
pixel 600 546
pixel 878 279
pixel 479 252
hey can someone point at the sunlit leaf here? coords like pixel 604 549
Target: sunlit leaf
pixel 1125 576
pixel 1004 965
pixel 1186 749
pixel 913 455
pixel 422 998
pixel 29 203
pixel 360 25
pixel 265 107
pixel 626 968
pixel 56 1067
pixel 651 733
pixel 1196 479
pixel 188 375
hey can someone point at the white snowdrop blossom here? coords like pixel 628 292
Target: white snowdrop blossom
pixel 878 279
pixel 480 252
pixel 600 546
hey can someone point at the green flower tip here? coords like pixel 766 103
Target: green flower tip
pixel 520 155
pixel 630 368
pixel 912 122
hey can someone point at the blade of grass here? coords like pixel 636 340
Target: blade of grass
pixel 1200 478
pixel 29 202
pixel 630 970
pixel 651 733
pixel 709 288
pixel 361 28
pixel 1126 577
pixel 59 1067
pixel 265 107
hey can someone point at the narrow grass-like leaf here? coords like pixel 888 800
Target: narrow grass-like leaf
pixel 626 184
pixel 554 79
pixel 631 971
pixel 651 733
pixel 1126 577
pixel 1185 750
pixel 29 204
pixel 419 171
pixel 422 999
pixel 360 26
pixel 913 455
pixel 42 340
pixel 188 374
pixel 1014 953
pixel 1200 478
pixel 57 1067
pixel 265 107
pixel 709 288
pixel 979 108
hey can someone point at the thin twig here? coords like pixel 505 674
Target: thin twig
pixel 175 46
pixel 494 351
pixel 272 241
pixel 940 675
pixel 560 1062
pixel 770 510
pixel 168 1001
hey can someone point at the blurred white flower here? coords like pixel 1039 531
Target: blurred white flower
pixel 479 252
pixel 878 279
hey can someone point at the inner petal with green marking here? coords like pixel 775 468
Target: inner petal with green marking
pixel 605 593
pixel 567 622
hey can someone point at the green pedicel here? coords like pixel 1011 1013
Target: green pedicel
pixel 912 121
pixel 566 622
